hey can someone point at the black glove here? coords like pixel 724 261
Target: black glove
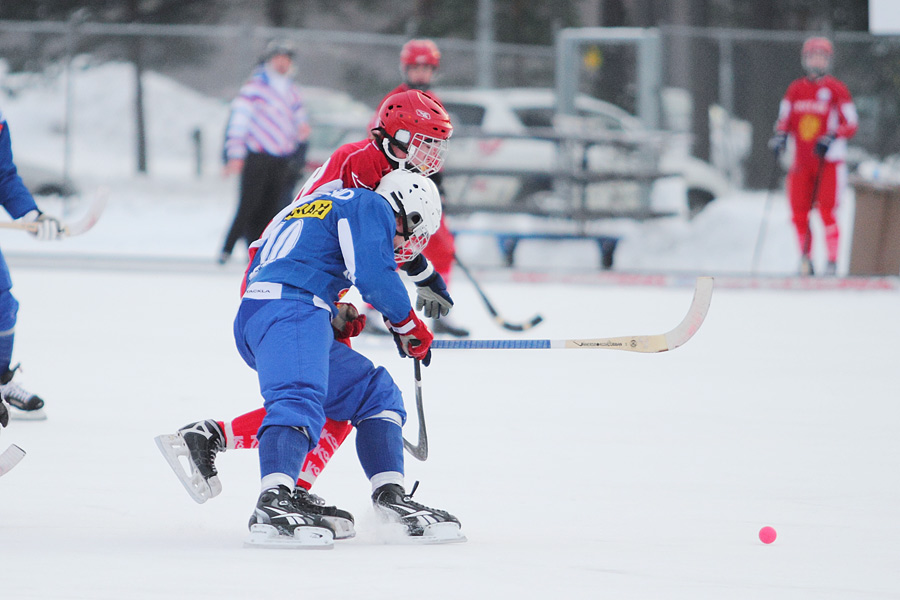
pixel 778 143
pixel 431 291
pixel 823 143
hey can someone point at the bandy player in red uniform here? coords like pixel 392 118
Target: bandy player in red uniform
pixel 818 111
pixel 419 60
pixel 412 134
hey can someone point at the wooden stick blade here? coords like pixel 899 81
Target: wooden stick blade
pixel 638 343
pixel 10 458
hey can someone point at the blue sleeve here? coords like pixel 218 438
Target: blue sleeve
pixel 376 275
pixel 14 196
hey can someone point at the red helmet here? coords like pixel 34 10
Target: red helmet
pixel 816 56
pixel 420 52
pixel 817 44
pixel 418 124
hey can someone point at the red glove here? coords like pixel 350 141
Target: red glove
pixel 412 337
pixel 348 323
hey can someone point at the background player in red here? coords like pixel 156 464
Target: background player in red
pixel 419 60
pixel 818 112
pixel 403 139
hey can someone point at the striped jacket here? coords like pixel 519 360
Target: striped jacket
pixel 265 118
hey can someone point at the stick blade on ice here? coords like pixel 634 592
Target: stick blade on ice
pixel 10 458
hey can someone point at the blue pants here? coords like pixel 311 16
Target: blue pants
pixel 304 374
pixel 9 308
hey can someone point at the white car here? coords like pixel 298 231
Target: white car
pixel 631 148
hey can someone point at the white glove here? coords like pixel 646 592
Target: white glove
pixel 431 291
pixel 49 228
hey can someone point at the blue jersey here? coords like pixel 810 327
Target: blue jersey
pixel 323 244
pixel 14 196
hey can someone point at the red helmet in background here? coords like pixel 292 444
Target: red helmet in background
pixel 818 44
pixel 420 52
pixel 417 124
pixel 816 56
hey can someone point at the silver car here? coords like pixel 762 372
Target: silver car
pixel 510 151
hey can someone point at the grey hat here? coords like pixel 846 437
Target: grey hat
pixel 277 47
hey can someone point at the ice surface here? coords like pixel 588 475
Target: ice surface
pixel 576 474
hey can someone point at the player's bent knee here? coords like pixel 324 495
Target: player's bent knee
pixel 9 308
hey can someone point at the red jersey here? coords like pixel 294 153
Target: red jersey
pixel 812 108
pixel 355 165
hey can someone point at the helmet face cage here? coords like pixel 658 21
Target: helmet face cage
pixel 816 56
pixel 414 231
pixel 411 248
pixel 418 125
pixel 425 154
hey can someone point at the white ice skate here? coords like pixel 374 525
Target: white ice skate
pixel 23 405
pixel 197 444
pixel 405 521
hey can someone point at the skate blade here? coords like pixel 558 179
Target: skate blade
pixel 343 529
pixel 172 447
pixel 440 533
pixel 436 533
pixel 17 414
pixel 304 538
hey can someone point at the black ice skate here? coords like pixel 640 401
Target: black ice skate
pixel 198 443
pixel 23 404
pixel 340 520
pixel 280 522
pixel 806 266
pixel 418 522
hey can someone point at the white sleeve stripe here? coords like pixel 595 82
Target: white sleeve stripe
pixel 784 109
pixel 425 274
pixel 345 238
pixel 849 111
pixel 401 329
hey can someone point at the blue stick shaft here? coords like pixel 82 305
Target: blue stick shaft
pixel 490 344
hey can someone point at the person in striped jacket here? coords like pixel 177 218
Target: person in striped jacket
pixel 267 132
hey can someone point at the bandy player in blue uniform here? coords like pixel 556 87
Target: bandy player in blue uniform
pixel 20 204
pixel 311 253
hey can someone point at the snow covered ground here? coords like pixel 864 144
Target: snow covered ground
pixel 575 474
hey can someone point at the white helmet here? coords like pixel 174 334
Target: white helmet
pixel 416 201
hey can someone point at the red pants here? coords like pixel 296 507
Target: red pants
pixel 801 185
pixel 241 433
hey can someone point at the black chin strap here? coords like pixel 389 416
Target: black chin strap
pixel 406 233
